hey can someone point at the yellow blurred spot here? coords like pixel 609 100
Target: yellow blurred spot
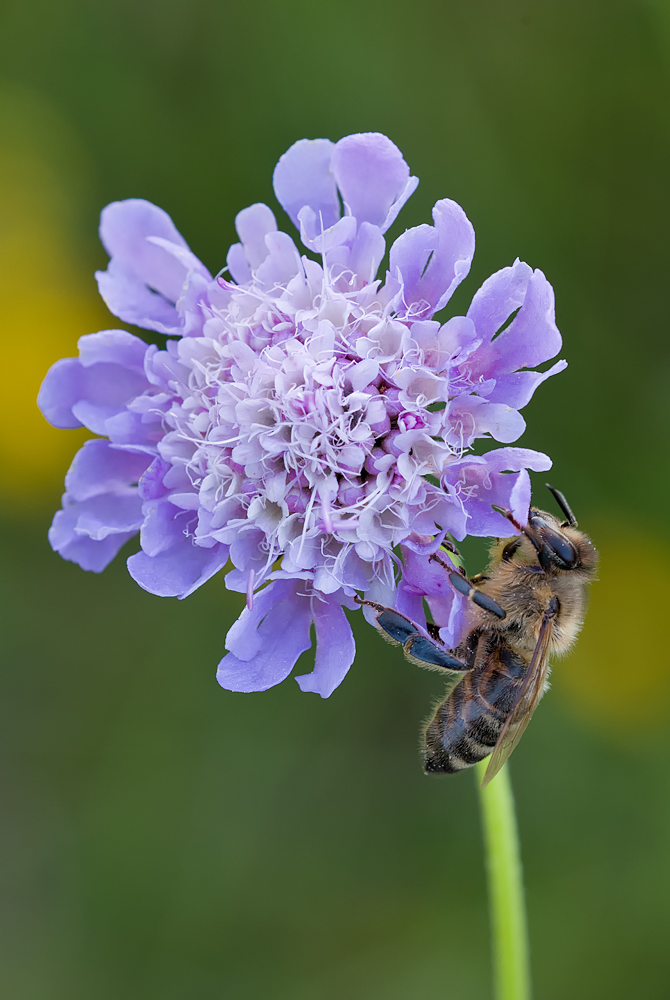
pixel 619 673
pixel 48 300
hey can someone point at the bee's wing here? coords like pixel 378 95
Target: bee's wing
pixel 526 702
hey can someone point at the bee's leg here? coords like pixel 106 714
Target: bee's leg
pixel 464 587
pixel 426 653
pixel 418 648
pixel 450 569
pixel 450 547
pixel 396 627
pixel 369 604
pixel 468 588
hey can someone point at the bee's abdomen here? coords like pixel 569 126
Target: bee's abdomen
pixel 467 724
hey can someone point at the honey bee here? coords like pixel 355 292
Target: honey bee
pixel 529 604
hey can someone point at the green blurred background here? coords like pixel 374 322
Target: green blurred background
pixel 162 838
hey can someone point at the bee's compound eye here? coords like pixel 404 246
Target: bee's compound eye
pixel 562 549
pixel 510 549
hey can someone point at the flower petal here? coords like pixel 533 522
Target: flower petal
pixel 238 265
pixel 410 604
pixel 515 459
pixel 424 578
pixel 182 254
pixel 88 553
pixel 372 176
pixel 143 280
pixel 282 262
pixel 100 468
pixel 453 618
pixel 367 252
pixel 253 224
pixel 124 228
pixel 283 634
pixel 471 417
pixel 61 388
pixel 129 298
pixel 150 485
pixel 335 649
pixel 477 482
pixel 317 237
pixel 498 297
pixel 113 347
pixel 108 514
pixel 424 575
pixel 431 261
pixel 466 418
pixel 243 639
pixel 303 176
pixel 516 389
pixel 164 527
pixel 97 385
pixel 107 389
pixel 179 570
pixel 531 338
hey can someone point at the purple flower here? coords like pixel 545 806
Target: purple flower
pixel 311 426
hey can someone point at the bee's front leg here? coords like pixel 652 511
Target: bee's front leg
pixel 417 647
pixel 427 653
pixel 465 587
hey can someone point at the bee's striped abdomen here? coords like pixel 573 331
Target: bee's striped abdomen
pixel 467 724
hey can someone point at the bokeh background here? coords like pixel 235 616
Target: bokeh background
pixel 162 838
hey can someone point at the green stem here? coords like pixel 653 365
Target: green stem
pixel 511 959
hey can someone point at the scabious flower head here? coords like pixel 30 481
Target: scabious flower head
pixel 308 427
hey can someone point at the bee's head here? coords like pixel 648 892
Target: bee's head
pixel 544 541
pixel 554 548
pixel 551 542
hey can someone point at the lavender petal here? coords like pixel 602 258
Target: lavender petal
pixel 335 649
pixel 284 635
pixel 372 176
pixel 179 570
pixel 498 297
pixel 303 176
pixel 91 555
pixel 431 261
pixel 100 468
pixel 61 388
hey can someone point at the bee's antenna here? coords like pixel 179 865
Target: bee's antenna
pixel 519 527
pixel 571 520
pixel 539 548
